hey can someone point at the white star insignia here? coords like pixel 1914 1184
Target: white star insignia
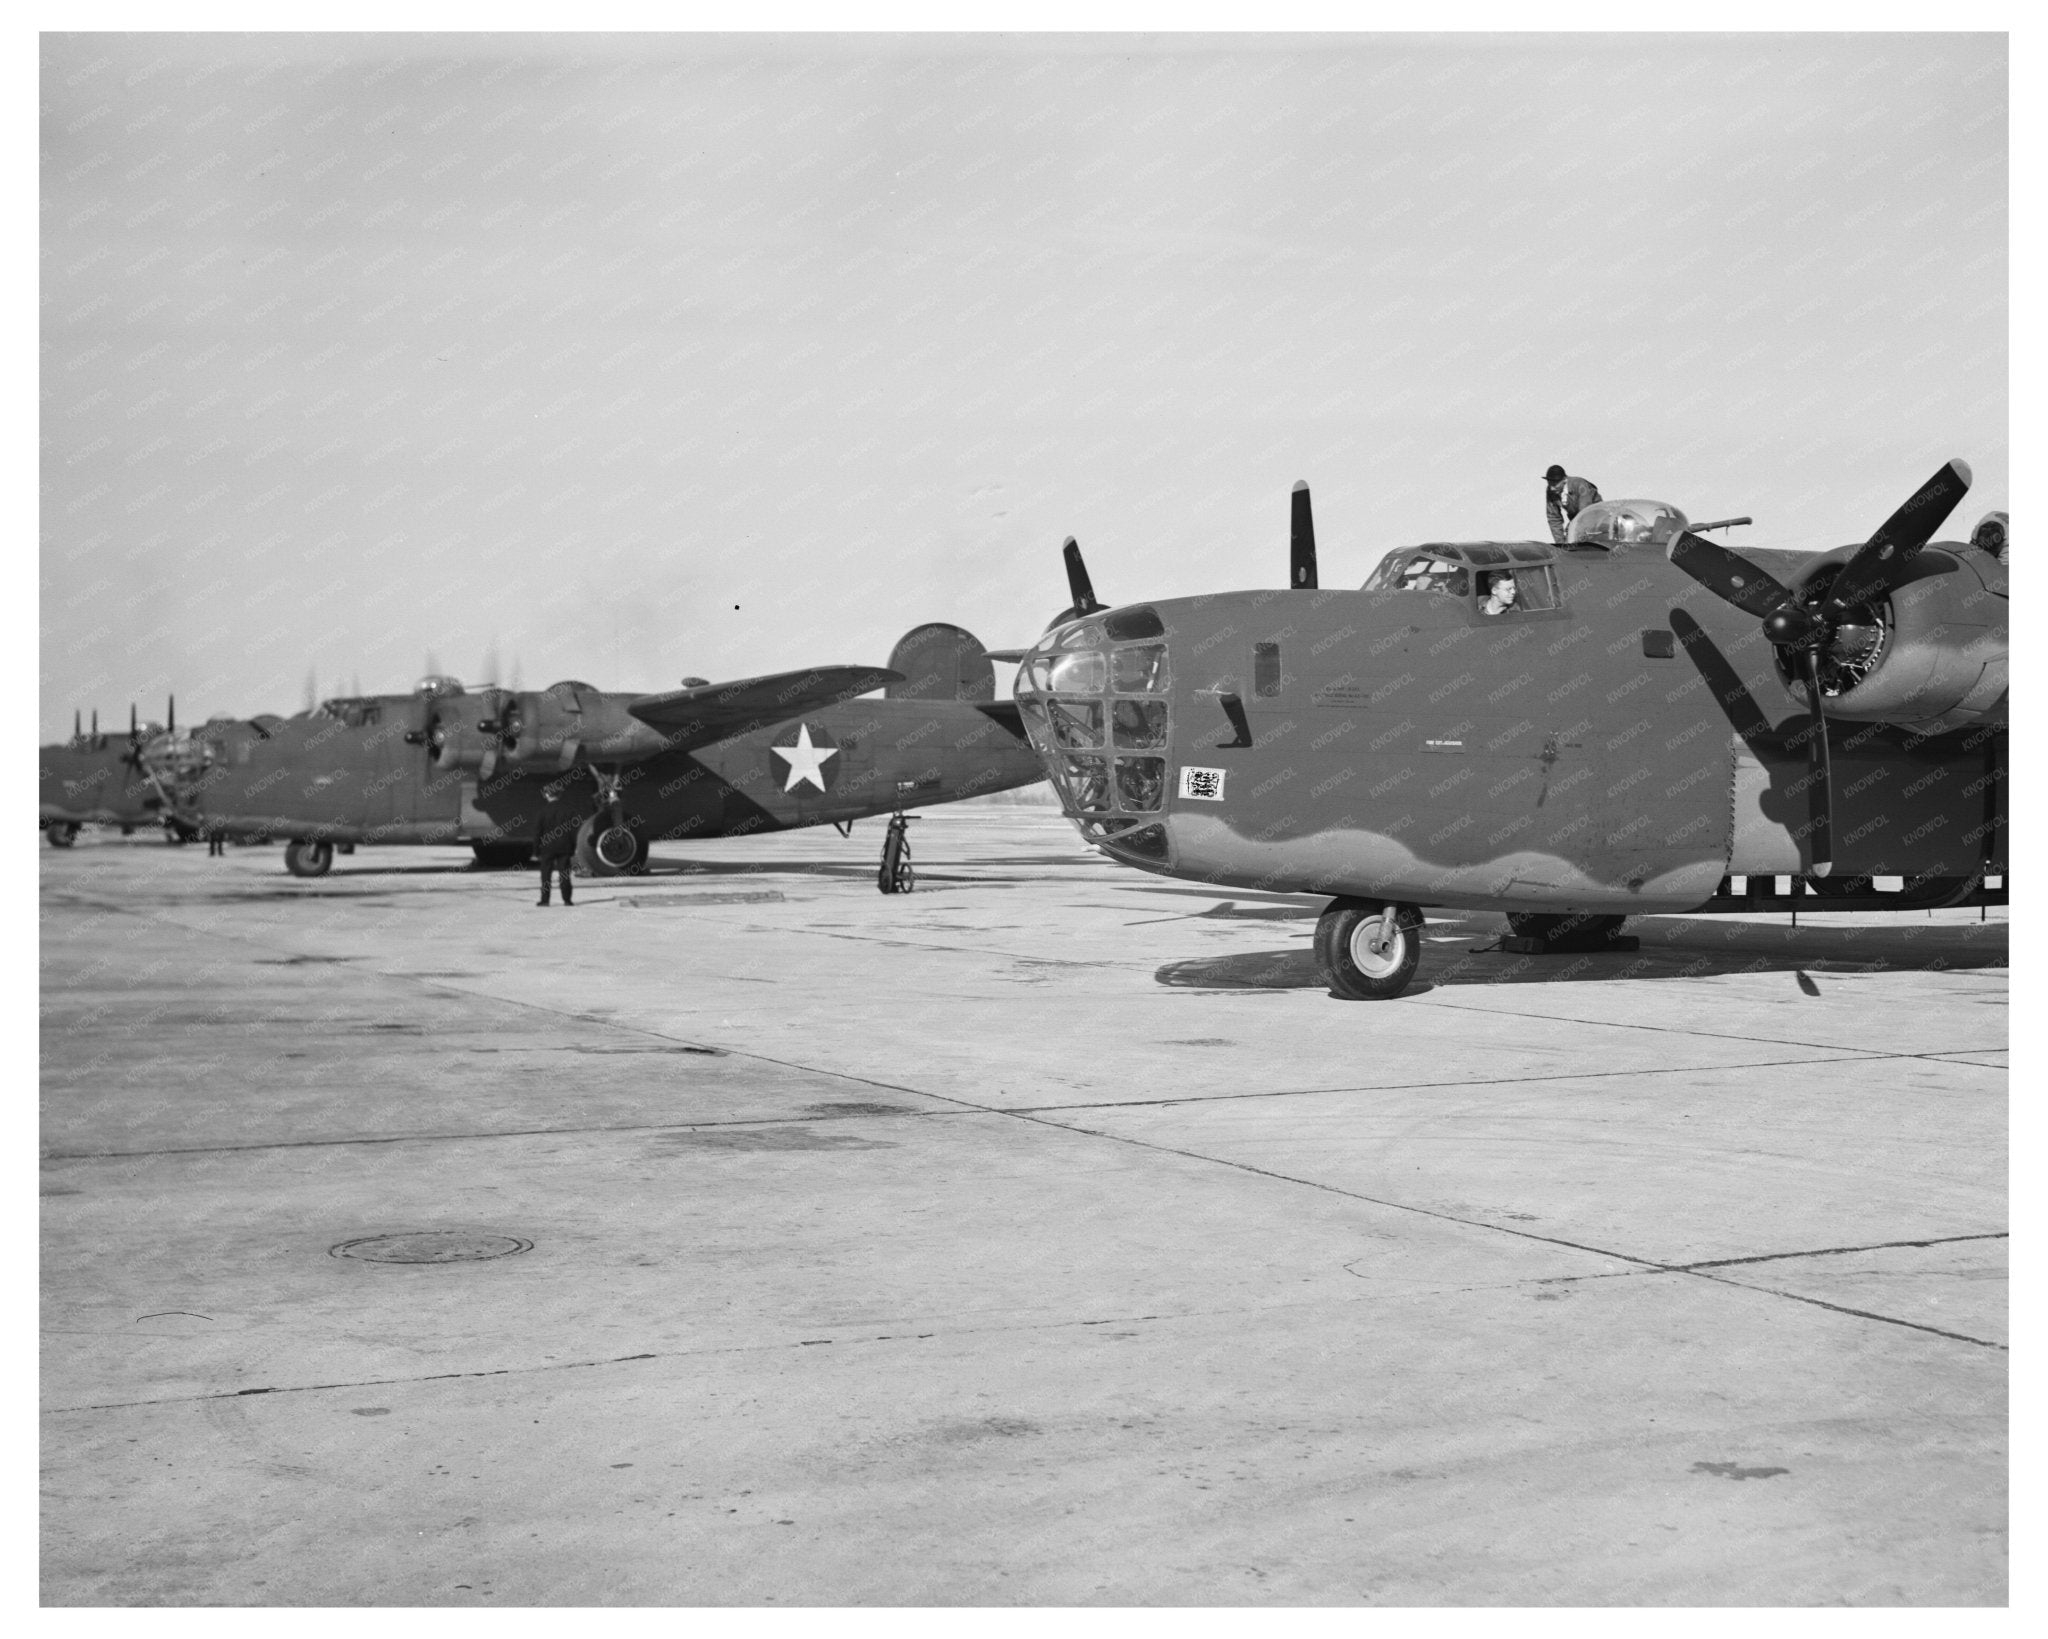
pixel 806 761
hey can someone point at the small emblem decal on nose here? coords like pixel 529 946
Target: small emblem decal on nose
pixel 1202 784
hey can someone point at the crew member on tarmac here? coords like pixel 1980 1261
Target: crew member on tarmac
pixel 216 843
pixel 555 851
pixel 1564 498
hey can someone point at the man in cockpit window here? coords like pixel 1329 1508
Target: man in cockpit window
pixel 1564 498
pixel 1498 598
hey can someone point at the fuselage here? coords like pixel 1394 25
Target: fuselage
pixel 349 774
pixel 1617 739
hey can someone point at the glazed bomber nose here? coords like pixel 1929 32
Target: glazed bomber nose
pixel 1096 700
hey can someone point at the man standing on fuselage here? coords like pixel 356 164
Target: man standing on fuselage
pixel 1564 498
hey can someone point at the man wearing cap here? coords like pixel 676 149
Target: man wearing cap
pixel 1564 498
pixel 1991 534
pixel 554 850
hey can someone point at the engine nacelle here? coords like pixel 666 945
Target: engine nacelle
pixel 544 728
pixel 465 731
pixel 550 729
pixel 1937 659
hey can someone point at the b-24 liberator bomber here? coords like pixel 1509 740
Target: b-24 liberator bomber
pixel 1626 723
pixel 108 779
pixel 495 767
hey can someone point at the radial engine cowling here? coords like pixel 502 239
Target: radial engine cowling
pixel 1934 659
pixel 466 731
pixel 544 728
pixel 549 729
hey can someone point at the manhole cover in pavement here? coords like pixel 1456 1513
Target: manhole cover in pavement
pixel 431 1246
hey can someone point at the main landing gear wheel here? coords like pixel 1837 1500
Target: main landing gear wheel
pixel 308 858
pixel 62 836
pixel 896 876
pixel 1367 950
pixel 1575 928
pixel 604 847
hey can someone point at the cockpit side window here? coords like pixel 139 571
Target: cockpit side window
pixel 1525 588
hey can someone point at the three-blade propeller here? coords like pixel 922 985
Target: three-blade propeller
pixel 1802 624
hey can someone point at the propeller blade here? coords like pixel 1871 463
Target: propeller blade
pixel 1011 655
pixel 77 724
pixel 1875 568
pixel 1085 602
pixel 1728 575
pixel 134 730
pixel 1302 542
pixel 95 722
pixel 171 714
pixel 1819 776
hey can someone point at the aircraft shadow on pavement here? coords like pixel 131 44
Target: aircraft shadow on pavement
pixel 1672 950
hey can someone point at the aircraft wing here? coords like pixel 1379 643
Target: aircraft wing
pixel 714 711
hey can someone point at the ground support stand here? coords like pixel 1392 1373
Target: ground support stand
pixel 895 875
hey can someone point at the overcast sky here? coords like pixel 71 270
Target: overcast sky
pixel 637 357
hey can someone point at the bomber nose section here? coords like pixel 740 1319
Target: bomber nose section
pixel 1095 696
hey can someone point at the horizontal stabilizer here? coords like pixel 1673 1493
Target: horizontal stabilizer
pixel 718 710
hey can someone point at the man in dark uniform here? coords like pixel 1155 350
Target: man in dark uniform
pixel 555 851
pixel 1564 498
pixel 1991 534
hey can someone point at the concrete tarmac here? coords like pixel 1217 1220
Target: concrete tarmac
pixel 1045 1236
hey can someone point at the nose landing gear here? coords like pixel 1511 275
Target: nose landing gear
pixel 1368 949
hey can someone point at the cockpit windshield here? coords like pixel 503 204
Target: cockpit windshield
pixel 355 712
pixel 1420 572
pixel 1497 577
pixel 1626 523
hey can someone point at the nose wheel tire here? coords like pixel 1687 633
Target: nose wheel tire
pixel 308 858
pixel 1368 950
pixel 62 836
